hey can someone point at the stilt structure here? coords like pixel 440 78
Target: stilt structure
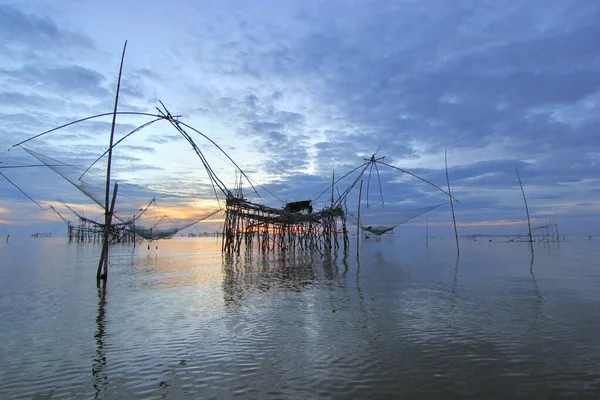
pixel 546 233
pixel 248 224
pixel 90 231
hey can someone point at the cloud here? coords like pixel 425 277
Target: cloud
pixel 72 79
pixel 28 34
pixel 297 91
pixel 163 138
pixel 142 149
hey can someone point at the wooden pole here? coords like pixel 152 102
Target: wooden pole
pixel 427 233
pixel 112 210
pixel 451 201
pixel 333 231
pixel 107 211
pixel 358 221
pixel 526 210
pixel 104 255
pixel 332 184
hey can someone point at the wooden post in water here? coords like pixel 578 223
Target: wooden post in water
pixel 104 255
pixel 526 210
pixel 427 233
pixel 358 221
pixel 107 210
pixel 333 221
pixel 332 185
pixel 451 201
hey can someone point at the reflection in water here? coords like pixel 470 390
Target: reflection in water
pixel 454 287
pixel 535 284
pixel 537 306
pixel 99 377
pixel 266 272
pixel 361 297
pixel 393 324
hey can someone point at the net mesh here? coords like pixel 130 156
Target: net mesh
pixel 381 221
pixel 149 214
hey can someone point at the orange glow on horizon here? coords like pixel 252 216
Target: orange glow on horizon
pixel 184 212
pixel 480 223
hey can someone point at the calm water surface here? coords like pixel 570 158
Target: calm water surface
pixel 401 321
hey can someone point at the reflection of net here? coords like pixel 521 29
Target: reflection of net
pixel 382 221
pixel 132 208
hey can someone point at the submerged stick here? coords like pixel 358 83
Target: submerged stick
pixel 103 263
pixel 110 215
pixel 451 201
pixel 358 224
pixel 526 210
pixel 427 233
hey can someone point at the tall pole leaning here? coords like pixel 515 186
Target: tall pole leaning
pixel 451 202
pixel 358 221
pixel 108 207
pixel 526 210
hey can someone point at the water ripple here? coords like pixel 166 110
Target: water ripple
pixel 180 321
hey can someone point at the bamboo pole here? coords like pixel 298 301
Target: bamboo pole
pixel 104 255
pixel 107 211
pixel 526 210
pixel 427 233
pixel 451 201
pixel 332 186
pixel 358 221
pixel 333 230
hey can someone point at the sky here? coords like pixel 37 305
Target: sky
pixel 295 91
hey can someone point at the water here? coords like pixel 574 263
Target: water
pixel 403 321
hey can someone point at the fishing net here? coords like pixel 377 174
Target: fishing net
pixel 381 221
pixel 149 214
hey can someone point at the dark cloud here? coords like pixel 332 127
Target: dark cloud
pixel 265 126
pixel 21 100
pixel 29 33
pixel 59 79
pixel 441 76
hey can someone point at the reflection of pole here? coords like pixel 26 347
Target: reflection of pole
pixel 455 283
pixel 451 201
pixel 527 210
pixel 537 289
pixel 358 222
pixel 99 362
